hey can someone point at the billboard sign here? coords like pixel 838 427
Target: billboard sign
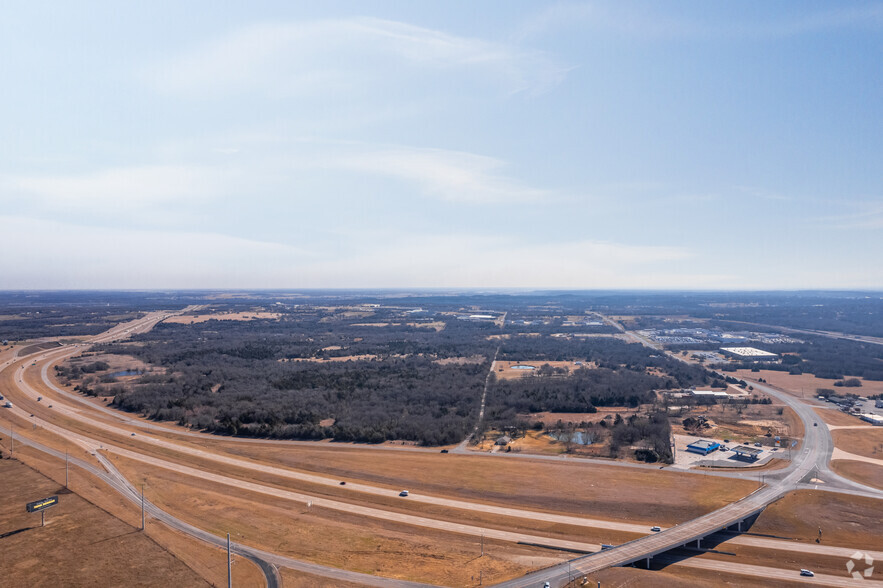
pixel 42 504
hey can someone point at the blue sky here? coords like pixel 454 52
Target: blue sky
pixel 502 144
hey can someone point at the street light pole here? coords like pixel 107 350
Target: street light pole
pixel 65 469
pixel 229 566
pixel 142 507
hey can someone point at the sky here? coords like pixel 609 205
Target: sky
pixel 448 144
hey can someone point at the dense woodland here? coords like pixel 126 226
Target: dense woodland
pixel 245 378
pixel 420 376
pixel 622 377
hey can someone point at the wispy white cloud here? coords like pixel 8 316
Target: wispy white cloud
pixel 318 57
pixel 123 187
pixel 451 175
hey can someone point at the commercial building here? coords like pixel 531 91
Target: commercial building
pixel 879 403
pixel 745 452
pixel 874 419
pixel 703 446
pixel 748 354
pixel 709 393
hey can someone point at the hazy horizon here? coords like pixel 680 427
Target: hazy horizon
pixel 453 146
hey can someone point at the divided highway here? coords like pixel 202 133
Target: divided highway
pixel 810 463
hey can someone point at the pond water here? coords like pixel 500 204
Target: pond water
pixel 523 367
pixel 125 373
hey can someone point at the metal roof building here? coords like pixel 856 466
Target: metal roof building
pixel 750 353
pixel 703 446
pixel 743 451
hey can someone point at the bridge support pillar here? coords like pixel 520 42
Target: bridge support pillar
pixel 698 543
pixel 740 526
pixel 648 563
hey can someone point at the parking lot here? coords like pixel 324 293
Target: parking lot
pixel 685 460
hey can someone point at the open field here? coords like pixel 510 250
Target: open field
pixel 300 579
pixel 503 370
pixel 609 492
pixel 80 542
pixel 865 473
pixel 550 418
pixel 207 561
pixel 867 442
pixel 187 319
pixel 376 507
pixel 838 418
pixel 330 537
pixel 805 385
pixel 847 521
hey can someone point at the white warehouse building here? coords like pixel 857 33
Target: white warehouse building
pixel 749 354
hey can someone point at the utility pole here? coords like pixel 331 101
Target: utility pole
pixel 65 469
pixel 229 567
pixel 12 439
pixel 482 545
pixel 142 507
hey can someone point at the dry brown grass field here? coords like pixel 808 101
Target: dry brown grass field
pixel 610 492
pixel 390 504
pixel 207 561
pixel 80 544
pixel 847 521
pixel 805 385
pixel 865 473
pixel 503 369
pixel 550 418
pixel 867 442
pixel 333 537
pixel 837 418
pixel 303 580
pixel 186 319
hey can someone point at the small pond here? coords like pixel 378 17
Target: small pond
pixel 125 373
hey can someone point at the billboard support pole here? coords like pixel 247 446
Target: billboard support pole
pixel 229 567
